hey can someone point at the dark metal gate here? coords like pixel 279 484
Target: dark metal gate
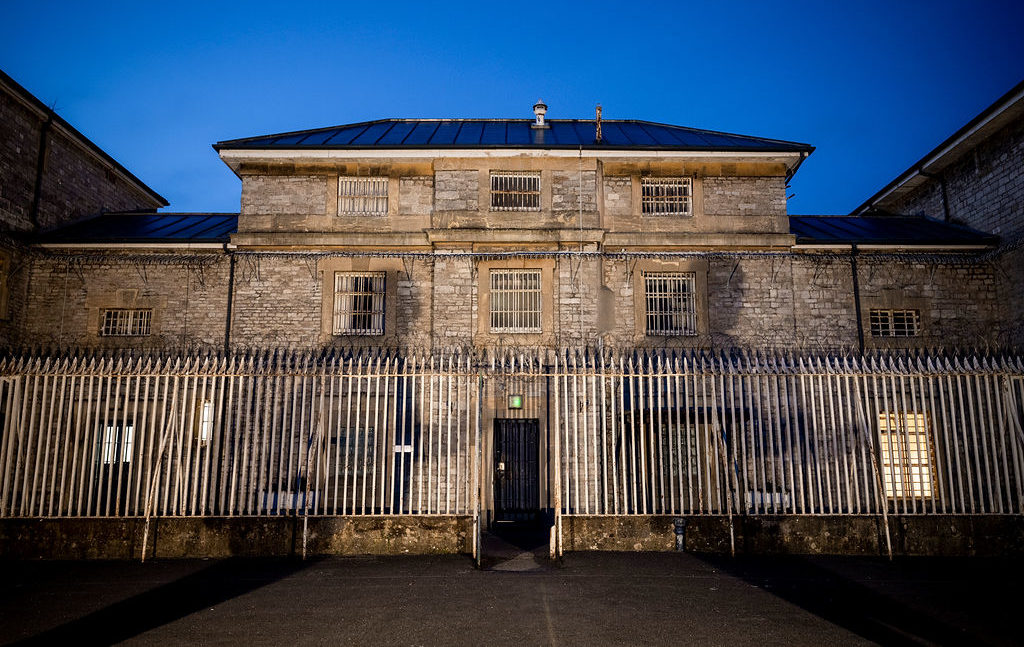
pixel 516 477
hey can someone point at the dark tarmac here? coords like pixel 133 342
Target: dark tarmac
pixel 520 598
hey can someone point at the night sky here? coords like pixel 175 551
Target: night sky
pixel 873 85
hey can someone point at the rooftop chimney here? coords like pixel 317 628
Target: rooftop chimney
pixel 540 109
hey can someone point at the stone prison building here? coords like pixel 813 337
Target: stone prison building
pixel 415 330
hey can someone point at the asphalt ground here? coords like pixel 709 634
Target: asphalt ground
pixel 519 598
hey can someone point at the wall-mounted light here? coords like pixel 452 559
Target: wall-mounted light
pixel 515 402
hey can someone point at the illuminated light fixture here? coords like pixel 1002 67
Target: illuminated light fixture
pixel 515 402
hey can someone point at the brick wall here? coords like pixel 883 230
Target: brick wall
pixel 19 150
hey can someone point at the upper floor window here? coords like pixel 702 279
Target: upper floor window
pixel 363 196
pixel 126 322
pixel 515 191
pixel 671 303
pixel 895 323
pixel 515 301
pixel 667 196
pixel 359 303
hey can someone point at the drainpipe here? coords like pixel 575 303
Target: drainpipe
pixel 945 192
pixel 37 189
pixel 856 298
pixel 231 299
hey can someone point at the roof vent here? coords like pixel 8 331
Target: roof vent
pixel 539 110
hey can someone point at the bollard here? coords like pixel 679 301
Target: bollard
pixel 680 528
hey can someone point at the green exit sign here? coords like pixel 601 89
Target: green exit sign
pixel 515 402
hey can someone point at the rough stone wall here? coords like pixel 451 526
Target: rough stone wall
pixel 798 301
pixel 189 302
pixel 566 189
pixel 277 303
pixel 416 195
pixel 283 195
pixel 578 301
pixel 618 195
pixel 14 291
pixel 456 190
pixel 454 302
pixel 751 303
pixel 75 183
pixel 744 196
pixel 806 302
pixel 958 300
pixel 1010 290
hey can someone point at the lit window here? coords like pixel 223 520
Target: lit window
pixel 366 196
pixel 515 191
pixel 117 444
pixel 515 301
pixel 667 196
pixel 205 430
pixel 124 322
pixel 895 323
pixel 359 303
pixel 671 303
pixel 905 454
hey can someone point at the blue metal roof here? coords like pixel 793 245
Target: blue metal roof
pixel 883 230
pixel 147 227
pixel 513 133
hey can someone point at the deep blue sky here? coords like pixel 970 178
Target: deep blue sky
pixel 874 85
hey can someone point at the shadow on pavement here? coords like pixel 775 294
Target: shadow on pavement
pixel 878 617
pixel 206 588
pixel 520 546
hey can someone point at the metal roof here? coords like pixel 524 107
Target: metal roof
pixel 184 228
pixel 513 133
pixel 147 227
pixel 884 230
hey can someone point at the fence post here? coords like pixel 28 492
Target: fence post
pixel 477 477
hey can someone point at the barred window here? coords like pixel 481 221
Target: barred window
pixel 905 454
pixel 367 196
pixel 515 301
pixel 359 303
pixel 515 191
pixel 117 443
pixel 667 196
pixel 125 322
pixel 671 303
pixel 895 323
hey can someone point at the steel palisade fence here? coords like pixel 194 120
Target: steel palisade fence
pixel 390 433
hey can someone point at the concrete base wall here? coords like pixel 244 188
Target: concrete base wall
pixel 232 536
pixel 818 535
